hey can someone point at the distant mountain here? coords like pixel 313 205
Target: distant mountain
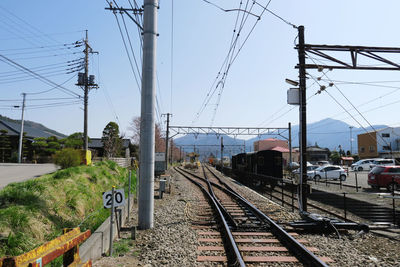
pixel 34 125
pixel 329 133
pixel 208 144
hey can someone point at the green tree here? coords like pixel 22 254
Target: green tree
pixel 112 142
pixel 53 145
pixel 75 141
pixel 335 157
pixel 39 145
pixel 26 147
pixel 5 146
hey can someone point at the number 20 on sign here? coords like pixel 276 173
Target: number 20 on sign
pixel 119 198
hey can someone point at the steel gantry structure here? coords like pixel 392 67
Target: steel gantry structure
pixel 329 53
pixel 229 131
pixel 233 131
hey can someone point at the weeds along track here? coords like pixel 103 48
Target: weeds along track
pixel 236 233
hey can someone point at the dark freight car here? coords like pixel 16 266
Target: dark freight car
pixel 258 168
pixel 269 162
pixel 240 162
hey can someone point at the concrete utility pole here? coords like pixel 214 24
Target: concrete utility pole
pixel 21 134
pixel 351 140
pixel 222 152
pixel 86 82
pixel 146 185
pixel 290 145
pixel 86 95
pixel 166 139
pixel 303 122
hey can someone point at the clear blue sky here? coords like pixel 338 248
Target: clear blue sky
pixel 254 92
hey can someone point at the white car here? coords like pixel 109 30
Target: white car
pixel 382 162
pixel 309 168
pixel 328 172
pixel 362 165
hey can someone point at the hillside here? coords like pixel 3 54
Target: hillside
pixel 34 125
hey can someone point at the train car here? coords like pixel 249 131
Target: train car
pixel 234 162
pixel 240 162
pixel 260 168
pixel 269 162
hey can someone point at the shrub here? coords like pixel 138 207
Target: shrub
pixel 68 157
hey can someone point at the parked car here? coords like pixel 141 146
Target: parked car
pixel 309 168
pixel 362 165
pixel 322 162
pixel 385 176
pixel 328 172
pixel 382 162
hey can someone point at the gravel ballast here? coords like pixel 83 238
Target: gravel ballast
pixel 173 240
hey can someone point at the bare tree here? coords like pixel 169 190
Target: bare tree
pixel 159 139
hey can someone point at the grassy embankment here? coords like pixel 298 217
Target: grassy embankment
pixel 37 210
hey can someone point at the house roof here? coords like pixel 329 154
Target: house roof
pixel 316 149
pixel 347 158
pixel 97 143
pixel 280 149
pixel 15 128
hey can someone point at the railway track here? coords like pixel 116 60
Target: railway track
pixel 334 205
pixel 236 233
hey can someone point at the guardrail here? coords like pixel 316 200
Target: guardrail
pixel 66 245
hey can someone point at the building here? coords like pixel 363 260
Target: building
pixel 13 129
pixel 383 143
pixel 277 145
pixel 96 146
pixel 316 153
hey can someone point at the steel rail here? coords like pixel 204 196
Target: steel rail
pixel 222 208
pixel 301 252
pixel 238 259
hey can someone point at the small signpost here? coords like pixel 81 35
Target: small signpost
pixel 112 199
pixel 119 198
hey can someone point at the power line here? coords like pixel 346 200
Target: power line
pixel 126 50
pixel 61 47
pixel 40 77
pixel 276 15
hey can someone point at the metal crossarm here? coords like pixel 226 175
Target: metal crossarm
pixel 355 52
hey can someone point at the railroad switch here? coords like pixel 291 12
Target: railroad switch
pixel 313 222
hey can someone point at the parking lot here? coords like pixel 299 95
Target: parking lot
pixel 13 172
pixel 364 192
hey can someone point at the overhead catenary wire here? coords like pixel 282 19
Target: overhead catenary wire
pixel 367 102
pixel 136 72
pixel 126 50
pixel 172 53
pixel 229 59
pixel 352 116
pixel 354 107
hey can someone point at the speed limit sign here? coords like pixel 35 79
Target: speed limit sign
pixel 119 198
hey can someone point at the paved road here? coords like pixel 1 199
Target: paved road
pixel 13 172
